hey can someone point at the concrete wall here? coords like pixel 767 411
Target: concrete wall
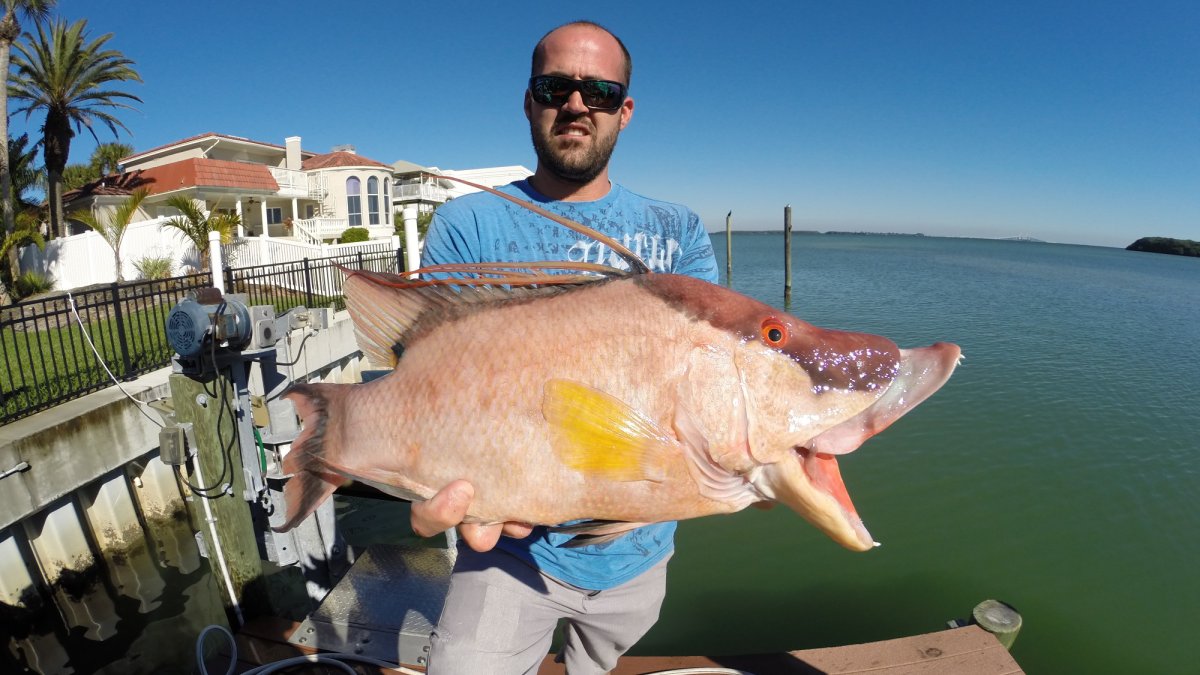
pixel 74 443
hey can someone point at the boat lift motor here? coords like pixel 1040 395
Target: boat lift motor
pixel 213 333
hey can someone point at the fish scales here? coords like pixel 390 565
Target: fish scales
pixel 639 398
pixel 465 401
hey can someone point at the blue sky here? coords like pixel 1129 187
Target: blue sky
pixel 1074 122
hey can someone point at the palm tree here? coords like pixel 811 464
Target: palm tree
pixel 66 74
pixel 24 175
pixel 106 158
pixel 195 224
pixel 113 227
pixel 10 30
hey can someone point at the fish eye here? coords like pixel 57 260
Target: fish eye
pixel 774 332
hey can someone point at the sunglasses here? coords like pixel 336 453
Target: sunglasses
pixel 550 90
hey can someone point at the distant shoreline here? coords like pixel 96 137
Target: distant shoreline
pixel 886 234
pixel 1184 247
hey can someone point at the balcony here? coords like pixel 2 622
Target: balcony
pixel 424 192
pixel 292 183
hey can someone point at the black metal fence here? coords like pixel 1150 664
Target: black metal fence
pixel 312 282
pixel 47 344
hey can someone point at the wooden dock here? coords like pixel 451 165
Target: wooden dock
pixel 957 651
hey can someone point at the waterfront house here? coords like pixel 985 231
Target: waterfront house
pixel 277 190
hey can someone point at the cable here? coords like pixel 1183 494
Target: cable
pixel 220 485
pixel 200 648
pixel 262 449
pixel 332 659
pixel 86 336
pixel 218 553
pixel 299 351
pixel 702 670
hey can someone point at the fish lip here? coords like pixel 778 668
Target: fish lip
pixel 817 468
pixel 922 371
pixel 810 484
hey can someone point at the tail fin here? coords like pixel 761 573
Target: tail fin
pixel 311 480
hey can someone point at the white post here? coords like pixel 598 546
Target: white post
pixel 412 256
pixel 395 239
pixel 264 251
pixel 263 211
pixel 214 258
pixel 238 208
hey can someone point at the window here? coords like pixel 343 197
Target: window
pixel 354 201
pixel 310 211
pixel 373 199
pixel 274 215
pixel 387 203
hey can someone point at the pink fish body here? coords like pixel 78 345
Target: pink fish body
pixel 635 399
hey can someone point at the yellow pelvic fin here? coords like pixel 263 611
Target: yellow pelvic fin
pixel 599 435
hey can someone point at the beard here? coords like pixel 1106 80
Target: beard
pixel 577 165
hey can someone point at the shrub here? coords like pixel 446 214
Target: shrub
pixel 354 234
pixel 154 267
pixel 32 282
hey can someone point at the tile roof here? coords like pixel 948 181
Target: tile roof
pixel 338 159
pixel 187 173
pixel 192 139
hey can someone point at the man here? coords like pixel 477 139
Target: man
pixel 507 594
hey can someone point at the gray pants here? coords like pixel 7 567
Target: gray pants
pixel 500 616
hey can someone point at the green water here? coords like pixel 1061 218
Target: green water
pixel 1057 470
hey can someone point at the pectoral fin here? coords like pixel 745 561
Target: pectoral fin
pixel 601 436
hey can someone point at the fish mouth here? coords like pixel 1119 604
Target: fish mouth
pixel 810 484
pixel 809 481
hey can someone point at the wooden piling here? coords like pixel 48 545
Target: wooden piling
pixel 211 406
pixel 729 249
pixel 787 255
pixel 999 619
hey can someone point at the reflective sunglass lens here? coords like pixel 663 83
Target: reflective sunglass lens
pixel 549 90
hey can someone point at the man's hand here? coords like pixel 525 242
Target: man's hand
pixel 447 509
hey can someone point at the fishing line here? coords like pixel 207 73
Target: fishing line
pixel 86 336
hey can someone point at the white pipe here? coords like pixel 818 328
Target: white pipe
pixel 214 260
pixel 216 544
pixel 412 256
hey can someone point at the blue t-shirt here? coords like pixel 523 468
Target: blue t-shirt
pixel 481 227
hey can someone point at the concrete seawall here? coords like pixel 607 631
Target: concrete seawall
pixel 93 524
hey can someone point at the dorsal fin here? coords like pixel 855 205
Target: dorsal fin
pixel 385 308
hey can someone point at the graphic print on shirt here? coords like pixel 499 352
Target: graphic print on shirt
pixel 655 236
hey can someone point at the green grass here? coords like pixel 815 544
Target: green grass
pixel 52 360
pixel 56 361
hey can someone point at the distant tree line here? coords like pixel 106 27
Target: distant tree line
pixel 1166 245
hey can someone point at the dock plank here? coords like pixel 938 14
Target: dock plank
pixel 958 651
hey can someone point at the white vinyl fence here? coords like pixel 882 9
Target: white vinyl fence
pixel 86 259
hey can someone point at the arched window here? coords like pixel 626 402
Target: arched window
pixel 354 201
pixel 373 199
pixel 387 202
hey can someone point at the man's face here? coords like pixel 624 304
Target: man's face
pixel 572 141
